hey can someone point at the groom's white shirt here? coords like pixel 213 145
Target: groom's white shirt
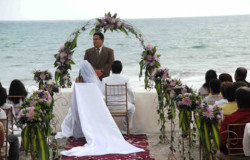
pixel 120 79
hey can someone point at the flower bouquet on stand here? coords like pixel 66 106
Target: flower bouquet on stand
pixel 207 119
pixel 187 101
pixel 41 76
pixel 35 115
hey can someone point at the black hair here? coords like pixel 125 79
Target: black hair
pixel 243 97
pixel 210 74
pixel 117 67
pixel 3 96
pixel 223 77
pixel 215 85
pixel 17 89
pixel 101 36
pixel 241 73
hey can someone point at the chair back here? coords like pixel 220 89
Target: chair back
pixel 5 122
pixel 116 96
pixel 235 138
pixel 117 101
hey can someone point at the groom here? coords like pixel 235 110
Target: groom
pixel 100 57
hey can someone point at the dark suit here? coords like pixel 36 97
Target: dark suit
pixel 102 61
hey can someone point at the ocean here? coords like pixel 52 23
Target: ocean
pixel 188 47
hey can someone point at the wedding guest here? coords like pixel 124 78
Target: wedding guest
pixel 242 115
pixel 231 106
pixel 16 89
pixel 215 92
pixel 204 90
pixel 117 78
pixel 100 57
pixel 224 77
pixel 12 139
pixel 241 74
pixel 223 88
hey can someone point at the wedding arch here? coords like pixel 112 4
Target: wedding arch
pixel 63 62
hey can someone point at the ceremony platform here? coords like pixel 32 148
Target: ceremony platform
pixel 145 118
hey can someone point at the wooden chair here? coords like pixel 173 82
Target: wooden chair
pixel 5 121
pixel 12 117
pixel 234 141
pixel 117 101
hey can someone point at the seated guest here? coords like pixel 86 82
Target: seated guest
pixel 240 75
pixel 204 90
pixel 16 89
pixel 225 77
pixel 12 139
pixel 117 78
pixel 215 92
pixel 242 115
pixel 223 87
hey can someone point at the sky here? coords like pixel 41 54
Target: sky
pixel 126 9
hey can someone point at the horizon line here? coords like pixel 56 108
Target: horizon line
pixel 126 18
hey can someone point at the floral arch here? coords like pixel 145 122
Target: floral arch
pixel 171 93
pixel 63 62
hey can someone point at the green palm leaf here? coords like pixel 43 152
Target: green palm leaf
pixel 215 134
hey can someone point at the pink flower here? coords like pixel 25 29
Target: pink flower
pixel 113 20
pixel 42 76
pixel 186 101
pixel 62 47
pixel 49 98
pixel 208 113
pixel 59 63
pixel 179 103
pixel 164 76
pixel 152 63
pixel 155 57
pixel 69 56
pixel 172 94
pixel 149 47
pixel 62 60
pixel 184 90
pixel 30 113
pixel 149 57
pixel 63 54
pixel 172 83
pixel 119 24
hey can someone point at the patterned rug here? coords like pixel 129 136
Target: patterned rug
pixel 139 141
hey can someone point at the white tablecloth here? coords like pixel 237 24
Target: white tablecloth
pixel 145 118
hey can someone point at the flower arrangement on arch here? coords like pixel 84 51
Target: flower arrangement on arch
pixel 109 22
pixel 207 119
pixel 63 63
pixel 149 61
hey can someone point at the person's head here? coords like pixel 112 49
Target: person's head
pixel 243 97
pixel 223 77
pixel 240 74
pixel 215 86
pixel 117 67
pixel 210 74
pixel 3 96
pixel 98 39
pixel 17 89
pixel 223 88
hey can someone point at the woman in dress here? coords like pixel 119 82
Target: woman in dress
pixel 89 116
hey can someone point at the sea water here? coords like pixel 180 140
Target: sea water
pixel 188 47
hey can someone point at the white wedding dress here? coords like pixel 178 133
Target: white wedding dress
pixel 89 116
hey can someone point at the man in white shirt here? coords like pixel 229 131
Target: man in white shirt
pixel 117 78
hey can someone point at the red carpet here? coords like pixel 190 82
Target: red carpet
pixel 139 141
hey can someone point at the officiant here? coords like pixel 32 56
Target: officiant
pixel 100 57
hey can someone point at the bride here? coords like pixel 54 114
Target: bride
pixel 89 116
